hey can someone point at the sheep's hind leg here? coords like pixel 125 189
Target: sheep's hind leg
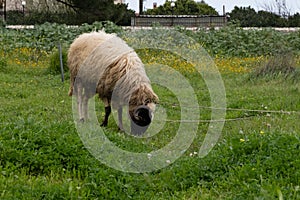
pixel 107 113
pixel 120 111
pixel 79 106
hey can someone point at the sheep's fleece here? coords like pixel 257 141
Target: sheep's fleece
pixel 104 64
pixel 93 54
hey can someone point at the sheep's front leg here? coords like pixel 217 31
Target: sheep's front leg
pixel 120 111
pixel 85 101
pixel 79 96
pixel 79 108
pixel 107 112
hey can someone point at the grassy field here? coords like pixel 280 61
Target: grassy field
pixel 256 157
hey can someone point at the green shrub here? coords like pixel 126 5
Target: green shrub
pixel 107 26
pixel 54 65
pixel 2 23
pixel 3 64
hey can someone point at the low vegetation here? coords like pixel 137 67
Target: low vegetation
pixel 278 65
pixel 256 157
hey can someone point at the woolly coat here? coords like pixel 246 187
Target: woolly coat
pixel 104 64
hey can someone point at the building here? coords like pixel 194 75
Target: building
pixel 40 5
pixel 119 1
pixel 12 4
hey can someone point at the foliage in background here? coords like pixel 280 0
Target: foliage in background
pixel 183 7
pixel 228 41
pixel 76 12
pixel 3 64
pixel 36 17
pixel 54 64
pixel 84 13
pixel 235 41
pixel 278 65
pixel 45 37
pixel 248 17
pixel 294 21
pixel 103 10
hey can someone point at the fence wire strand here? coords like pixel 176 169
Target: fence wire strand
pixel 230 109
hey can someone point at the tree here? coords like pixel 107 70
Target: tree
pixel 267 19
pixel 183 7
pixel 71 12
pixel 246 16
pixel 294 21
pixel 279 7
pixel 91 8
pixel 99 10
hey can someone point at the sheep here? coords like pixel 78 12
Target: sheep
pixel 104 64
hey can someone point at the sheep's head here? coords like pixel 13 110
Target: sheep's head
pixel 141 109
pixel 141 117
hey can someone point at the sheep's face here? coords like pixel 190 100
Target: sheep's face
pixel 141 118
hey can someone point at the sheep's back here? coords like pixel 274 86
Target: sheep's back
pixel 82 47
pixel 108 55
pixel 122 77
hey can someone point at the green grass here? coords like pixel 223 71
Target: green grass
pixel 42 156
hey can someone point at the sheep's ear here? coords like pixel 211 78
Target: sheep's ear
pixel 152 99
pixel 155 99
pixel 142 116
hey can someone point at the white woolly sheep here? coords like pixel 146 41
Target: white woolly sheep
pixel 103 63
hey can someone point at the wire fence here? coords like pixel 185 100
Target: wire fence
pixel 231 119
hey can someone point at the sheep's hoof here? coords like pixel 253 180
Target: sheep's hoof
pixel 103 124
pixel 121 129
pixel 81 120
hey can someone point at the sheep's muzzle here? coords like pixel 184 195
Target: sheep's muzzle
pixel 140 120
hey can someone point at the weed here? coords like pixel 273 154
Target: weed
pixel 280 65
pixel 54 65
pixel 3 64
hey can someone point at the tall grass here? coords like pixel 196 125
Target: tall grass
pixel 281 65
